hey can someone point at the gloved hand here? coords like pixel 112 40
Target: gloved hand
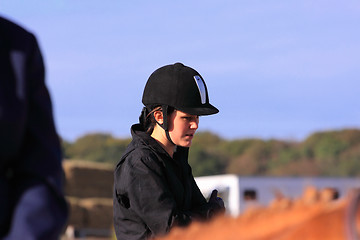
pixel 216 204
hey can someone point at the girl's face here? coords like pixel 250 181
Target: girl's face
pixel 182 127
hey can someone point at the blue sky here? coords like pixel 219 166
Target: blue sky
pixel 275 69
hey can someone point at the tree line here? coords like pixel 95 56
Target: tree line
pixel 328 153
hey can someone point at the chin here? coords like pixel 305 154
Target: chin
pixel 186 144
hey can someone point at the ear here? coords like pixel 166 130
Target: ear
pixel 158 115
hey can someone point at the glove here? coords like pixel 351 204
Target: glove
pixel 216 205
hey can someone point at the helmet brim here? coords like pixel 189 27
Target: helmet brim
pixel 200 111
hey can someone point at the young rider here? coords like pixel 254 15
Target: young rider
pixel 154 188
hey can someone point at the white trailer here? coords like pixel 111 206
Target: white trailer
pixel 238 192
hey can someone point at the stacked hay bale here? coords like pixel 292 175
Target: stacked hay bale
pixel 88 188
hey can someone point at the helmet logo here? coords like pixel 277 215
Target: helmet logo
pixel 201 86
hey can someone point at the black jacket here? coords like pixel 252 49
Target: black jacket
pixel 29 143
pixel 152 191
pixel 30 152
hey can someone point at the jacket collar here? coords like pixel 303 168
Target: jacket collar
pixel 139 135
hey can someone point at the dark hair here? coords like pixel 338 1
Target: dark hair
pixel 147 119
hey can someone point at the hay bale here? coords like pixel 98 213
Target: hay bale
pixel 88 179
pixel 77 213
pixel 90 213
pixel 99 213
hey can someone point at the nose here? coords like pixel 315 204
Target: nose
pixel 195 123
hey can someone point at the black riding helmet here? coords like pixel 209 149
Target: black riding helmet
pixel 180 87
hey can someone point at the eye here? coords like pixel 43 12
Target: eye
pixel 187 118
pixel 191 118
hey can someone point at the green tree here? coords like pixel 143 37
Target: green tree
pixel 204 163
pixel 98 147
pixel 326 148
pixel 331 153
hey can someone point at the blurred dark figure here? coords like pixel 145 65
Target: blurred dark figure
pixel 32 204
pixel 250 195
